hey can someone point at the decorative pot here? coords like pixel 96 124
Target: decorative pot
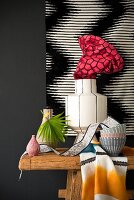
pixel 113 139
pixel 33 147
pixel 86 106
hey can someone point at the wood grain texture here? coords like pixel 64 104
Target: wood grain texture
pixel 51 161
pixel 62 193
pixel 25 163
pixel 73 186
pixel 69 184
pixel 130 162
pixel 130 194
pixel 77 182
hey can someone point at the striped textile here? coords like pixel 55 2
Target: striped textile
pixel 103 177
pixel 112 20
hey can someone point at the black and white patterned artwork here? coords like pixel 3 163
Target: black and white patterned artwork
pixel 66 20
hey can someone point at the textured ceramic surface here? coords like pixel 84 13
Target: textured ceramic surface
pixel 114 135
pixel 119 129
pixel 86 106
pixel 113 139
pixel 33 147
pixel 113 146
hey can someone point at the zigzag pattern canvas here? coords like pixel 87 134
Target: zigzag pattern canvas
pixel 66 20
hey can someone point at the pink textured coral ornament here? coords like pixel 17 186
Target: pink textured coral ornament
pixel 33 147
pixel 99 56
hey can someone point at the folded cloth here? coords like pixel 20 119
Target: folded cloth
pixel 98 57
pixel 103 177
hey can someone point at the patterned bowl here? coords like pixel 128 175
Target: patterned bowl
pixel 119 131
pixel 113 146
pixel 113 139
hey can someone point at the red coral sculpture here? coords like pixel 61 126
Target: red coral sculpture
pixel 98 57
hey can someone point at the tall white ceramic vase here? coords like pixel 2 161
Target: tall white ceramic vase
pixel 86 106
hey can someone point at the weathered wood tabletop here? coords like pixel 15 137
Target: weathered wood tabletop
pixel 51 161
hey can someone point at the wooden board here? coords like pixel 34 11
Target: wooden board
pixel 51 161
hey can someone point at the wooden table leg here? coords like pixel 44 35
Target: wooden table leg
pixel 76 193
pixel 73 186
pixel 70 184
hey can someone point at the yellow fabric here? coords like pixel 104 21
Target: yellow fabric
pixel 106 181
pixel 103 183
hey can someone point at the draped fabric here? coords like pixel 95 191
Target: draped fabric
pixel 103 177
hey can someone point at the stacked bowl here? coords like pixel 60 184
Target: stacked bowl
pixel 113 139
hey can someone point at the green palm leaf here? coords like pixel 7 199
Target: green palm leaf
pixel 54 129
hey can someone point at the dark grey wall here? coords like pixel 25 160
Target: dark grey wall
pixel 22 96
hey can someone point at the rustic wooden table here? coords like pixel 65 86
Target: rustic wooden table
pixel 51 161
